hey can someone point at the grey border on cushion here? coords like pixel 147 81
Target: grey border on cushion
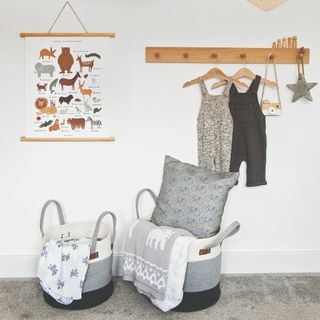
pixel 192 198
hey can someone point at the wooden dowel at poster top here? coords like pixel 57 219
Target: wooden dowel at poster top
pixel 29 34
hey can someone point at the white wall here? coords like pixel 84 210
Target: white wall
pixel 152 116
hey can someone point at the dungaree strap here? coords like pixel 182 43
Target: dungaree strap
pixel 203 87
pixel 226 90
pixel 255 84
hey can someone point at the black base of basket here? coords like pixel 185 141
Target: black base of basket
pixel 196 301
pixel 89 299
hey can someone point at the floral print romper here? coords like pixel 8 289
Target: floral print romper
pixel 215 130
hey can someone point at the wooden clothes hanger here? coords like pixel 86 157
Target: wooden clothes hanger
pixel 245 72
pixel 215 73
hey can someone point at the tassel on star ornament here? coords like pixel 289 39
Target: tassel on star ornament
pixel 302 88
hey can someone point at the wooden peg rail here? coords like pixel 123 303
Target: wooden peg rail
pixel 223 55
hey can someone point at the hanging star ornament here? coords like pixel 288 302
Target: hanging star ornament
pixel 302 88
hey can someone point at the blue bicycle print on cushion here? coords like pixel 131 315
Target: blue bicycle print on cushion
pixel 209 209
pixel 213 198
pixel 173 181
pixel 176 212
pixel 216 188
pixel 208 220
pixel 169 192
pixel 199 188
pixel 193 210
pixel 186 179
pixel 182 190
pixel 190 221
pixel 196 199
pixel 180 201
pixel 164 203
pixel 204 232
pixel 173 222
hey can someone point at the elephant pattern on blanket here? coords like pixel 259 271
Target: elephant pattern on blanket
pixel 158 237
pixel 142 263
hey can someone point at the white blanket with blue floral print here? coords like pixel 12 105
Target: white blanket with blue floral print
pixel 62 268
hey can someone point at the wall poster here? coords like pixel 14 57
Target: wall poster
pixel 67 87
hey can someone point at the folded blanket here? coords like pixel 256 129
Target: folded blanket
pixel 62 268
pixel 155 260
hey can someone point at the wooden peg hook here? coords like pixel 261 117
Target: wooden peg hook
pixel 244 56
pixel 214 56
pixel 302 52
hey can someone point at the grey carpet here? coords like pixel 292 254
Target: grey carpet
pixel 256 297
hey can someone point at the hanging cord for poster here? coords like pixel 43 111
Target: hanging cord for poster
pixel 59 14
pixel 270 56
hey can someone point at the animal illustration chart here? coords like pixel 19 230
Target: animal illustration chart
pixel 67 81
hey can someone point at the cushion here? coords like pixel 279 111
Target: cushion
pixel 192 198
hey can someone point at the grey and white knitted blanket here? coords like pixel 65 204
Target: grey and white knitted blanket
pixel 151 254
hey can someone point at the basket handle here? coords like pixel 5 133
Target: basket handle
pixel 233 228
pixel 43 212
pixel 97 228
pixel 154 197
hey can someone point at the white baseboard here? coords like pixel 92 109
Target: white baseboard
pixel 25 266
pixel 271 262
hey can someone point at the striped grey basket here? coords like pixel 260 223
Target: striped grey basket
pixel 202 281
pixel 97 286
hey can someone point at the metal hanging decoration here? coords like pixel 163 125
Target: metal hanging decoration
pixel 302 88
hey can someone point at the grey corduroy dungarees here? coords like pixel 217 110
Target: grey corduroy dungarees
pixel 249 141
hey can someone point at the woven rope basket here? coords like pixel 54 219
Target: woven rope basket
pixel 202 282
pixel 97 286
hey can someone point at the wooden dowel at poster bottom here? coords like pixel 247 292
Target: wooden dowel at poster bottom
pixel 102 139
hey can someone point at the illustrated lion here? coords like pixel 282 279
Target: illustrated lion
pixel 41 103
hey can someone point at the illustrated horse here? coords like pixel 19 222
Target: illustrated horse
pixel 65 82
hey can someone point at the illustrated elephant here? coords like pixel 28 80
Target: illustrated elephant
pixel 44 68
pixel 158 238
